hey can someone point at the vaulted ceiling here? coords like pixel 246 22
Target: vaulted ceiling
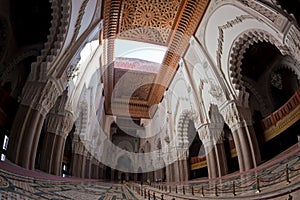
pixel 133 86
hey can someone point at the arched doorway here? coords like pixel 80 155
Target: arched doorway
pixel 140 175
pixel 271 80
pixel 197 159
pixel 67 156
pixel 124 168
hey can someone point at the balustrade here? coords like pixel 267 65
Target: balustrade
pixel 262 180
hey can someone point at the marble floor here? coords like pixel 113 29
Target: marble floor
pixel 16 186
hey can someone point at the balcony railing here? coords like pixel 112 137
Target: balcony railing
pixel 282 118
pixel 276 178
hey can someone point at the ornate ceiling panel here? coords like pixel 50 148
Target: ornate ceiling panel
pixel 170 23
pixel 148 21
pixel 131 84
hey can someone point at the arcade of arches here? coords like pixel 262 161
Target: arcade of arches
pixel 80 96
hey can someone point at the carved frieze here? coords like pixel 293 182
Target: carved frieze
pixel 59 124
pixel 293 41
pixel 40 96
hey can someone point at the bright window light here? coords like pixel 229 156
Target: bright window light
pixel 2 157
pixel 140 50
pixel 5 142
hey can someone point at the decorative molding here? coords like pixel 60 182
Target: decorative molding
pixel 60 121
pixel 282 124
pixel 229 24
pixel 292 40
pixel 57 36
pixel 268 12
pixel 236 55
pixel 182 128
pixel 78 20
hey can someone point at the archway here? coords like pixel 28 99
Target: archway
pixel 271 80
pixel 140 175
pixel 124 169
pixel 197 159
pixel 67 156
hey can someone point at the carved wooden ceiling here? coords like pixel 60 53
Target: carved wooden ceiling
pixel 134 87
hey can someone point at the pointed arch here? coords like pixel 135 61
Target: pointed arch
pixel 240 45
pixel 183 123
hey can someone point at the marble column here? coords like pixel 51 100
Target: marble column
pixel 211 159
pixel 221 158
pixel 93 168
pixel 239 152
pixel 83 164
pixel 74 165
pixel 169 173
pixel 240 122
pixel 177 173
pixel 101 171
pixel 58 124
pixel 209 141
pixel 36 102
pixel 185 170
pixel 52 153
pixel 88 166
pixel 182 164
pixel 78 158
pixel 247 157
pixel 254 146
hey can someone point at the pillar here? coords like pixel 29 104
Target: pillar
pixel 83 164
pixel 58 125
pixel 208 137
pixel 78 158
pixel 74 167
pixel 239 120
pixel 221 158
pixel 88 166
pixel 211 159
pixel 37 100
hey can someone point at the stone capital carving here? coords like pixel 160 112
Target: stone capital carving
pixel 210 135
pixel 60 124
pixel 237 116
pixel 40 96
pixel 182 153
pixel 78 148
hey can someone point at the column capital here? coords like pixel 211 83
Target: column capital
pixel 182 153
pixel 237 116
pixel 59 124
pixel 78 148
pixel 40 96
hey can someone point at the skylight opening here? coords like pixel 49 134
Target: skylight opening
pixel 140 50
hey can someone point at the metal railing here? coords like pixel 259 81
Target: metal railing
pixel 261 180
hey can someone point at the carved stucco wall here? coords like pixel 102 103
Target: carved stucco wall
pixel 226 25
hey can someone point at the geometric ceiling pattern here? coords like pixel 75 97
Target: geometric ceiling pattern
pixel 148 21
